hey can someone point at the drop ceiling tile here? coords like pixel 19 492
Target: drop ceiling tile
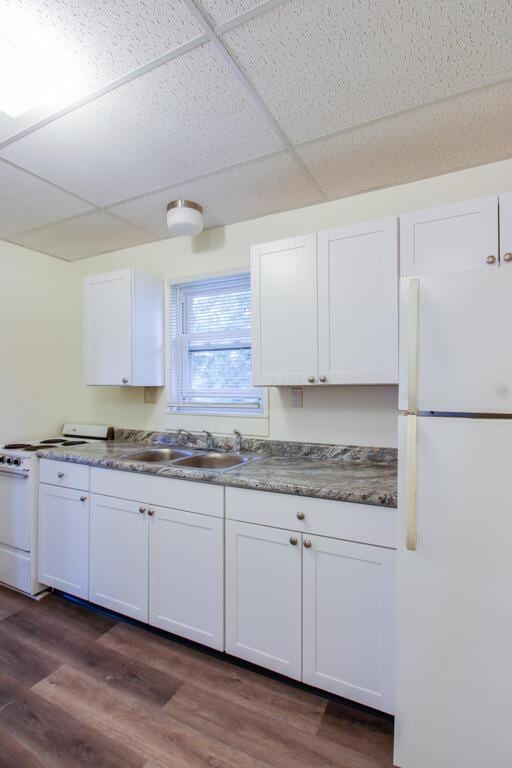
pixel 254 189
pixel 84 236
pixel 27 202
pixel 324 65
pixel 93 42
pixel 188 117
pixel 467 130
pixel 219 11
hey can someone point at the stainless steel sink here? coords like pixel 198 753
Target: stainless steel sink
pixel 215 460
pixel 158 454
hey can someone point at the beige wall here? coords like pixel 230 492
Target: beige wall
pixel 37 393
pixel 360 415
pixel 34 341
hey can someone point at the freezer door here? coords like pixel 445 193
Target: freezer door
pixel 455 351
pixel 454 630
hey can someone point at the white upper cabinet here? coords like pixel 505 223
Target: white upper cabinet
pixel 325 307
pixel 451 238
pixel 358 304
pixel 123 329
pixel 284 312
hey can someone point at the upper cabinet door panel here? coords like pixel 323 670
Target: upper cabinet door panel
pixel 358 303
pixel 108 328
pixel 451 238
pixel 506 231
pixel 284 312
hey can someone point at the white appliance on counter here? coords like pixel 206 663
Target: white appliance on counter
pixel 18 502
pixel 454 634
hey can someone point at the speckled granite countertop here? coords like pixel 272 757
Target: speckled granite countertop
pixel 342 473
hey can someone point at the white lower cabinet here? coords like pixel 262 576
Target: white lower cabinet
pixel 118 557
pixel 349 620
pixel 64 539
pixel 186 575
pixel 263 596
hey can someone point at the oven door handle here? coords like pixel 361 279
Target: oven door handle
pixel 14 473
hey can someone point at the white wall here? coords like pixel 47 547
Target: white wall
pixel 34 341
pixel 358 415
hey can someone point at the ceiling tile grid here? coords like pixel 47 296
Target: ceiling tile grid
pixel 331 96
pixel 87 235
pixel 185 118
pixel 253 189
pixel 26 202
pixel 468 130
pixel 324 65
pixel 97 41
pixel 219 12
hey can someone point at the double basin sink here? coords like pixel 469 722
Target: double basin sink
pixel 182 457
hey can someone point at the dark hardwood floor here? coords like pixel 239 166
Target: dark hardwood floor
pixel 78 688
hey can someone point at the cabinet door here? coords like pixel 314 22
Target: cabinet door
pixel 64 539
pixel 506 231
pixel 263 596
pixel 284 312
pixel 108 328
pixel 186 575
pixel 349 620
pixel 452 238
pixel 118 565
pixel 358 304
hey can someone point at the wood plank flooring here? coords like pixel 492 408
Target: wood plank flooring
pixel 78 688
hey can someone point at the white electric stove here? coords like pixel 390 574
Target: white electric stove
pixel 18 501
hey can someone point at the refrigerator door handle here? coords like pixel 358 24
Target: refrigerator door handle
pixel 410 489
pixel 412 344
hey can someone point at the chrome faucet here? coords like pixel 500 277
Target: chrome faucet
pixel 183 433
pixel 237 441
pixel 209 440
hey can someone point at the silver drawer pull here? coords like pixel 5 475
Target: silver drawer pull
pixel 293 540
pixel 307 544
pixel 60 475
pixel 300 515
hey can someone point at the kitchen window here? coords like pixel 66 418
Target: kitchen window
pixel 211 352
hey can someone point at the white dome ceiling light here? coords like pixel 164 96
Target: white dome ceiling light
pixel 184 217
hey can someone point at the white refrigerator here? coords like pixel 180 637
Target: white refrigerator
pixel 454 634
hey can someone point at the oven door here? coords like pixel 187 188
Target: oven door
pixel 15 508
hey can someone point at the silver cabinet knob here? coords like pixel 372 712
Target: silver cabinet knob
pixel 151 512
pixel 311 379
pixel 125 381
pixel 491 259
pixel 142 510
pixel 300 515
pixel 323 379
pixel 507 256
pixel 307 543
pixel 293 540
pixel 60 475
pixel 83 498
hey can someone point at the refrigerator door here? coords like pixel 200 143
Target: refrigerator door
pixel 455 352
pixel 454 632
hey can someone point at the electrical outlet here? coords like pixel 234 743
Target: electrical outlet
pixel 297 397
pixel 150 395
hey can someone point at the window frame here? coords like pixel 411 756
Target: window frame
pixel 175 349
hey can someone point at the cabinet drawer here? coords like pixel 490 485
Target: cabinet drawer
pixel 64 473
pixel 161 491
pixel 337 519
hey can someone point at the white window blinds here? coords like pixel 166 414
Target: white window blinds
pixel 211 346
